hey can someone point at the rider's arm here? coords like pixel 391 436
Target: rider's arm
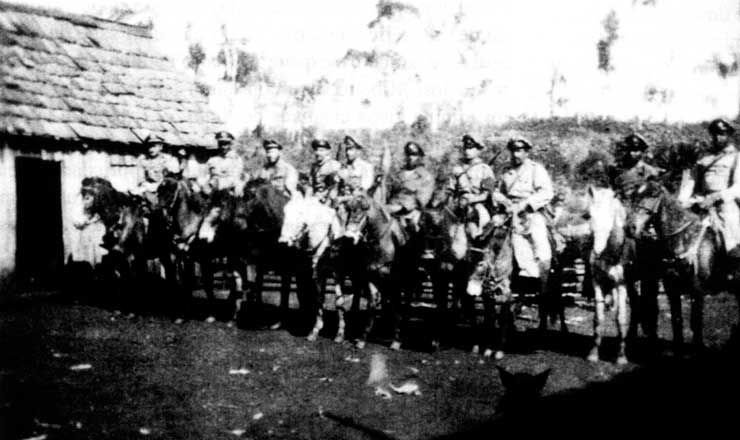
pixel 367 178
pixel 686 189
pixel 733 191
pixel 543 191
pixel 291 180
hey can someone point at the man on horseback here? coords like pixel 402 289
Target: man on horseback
pixel 633 173
pixel 526 189
pixel 156 165
pixel 357 174
pixel 416 186
pixel 713 186
pixel 277 170
pixel 226 169
pixel 324 173
pixel 468 186
pixel 225 179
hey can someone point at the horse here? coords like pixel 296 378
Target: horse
pixel 442 228
pixel 491 259
pixel 310 227
pixel 263 216
pixel 694 256
pixel 608 261
pixel 128 233
pixel 377 237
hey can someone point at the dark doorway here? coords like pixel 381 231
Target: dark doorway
pixel 39 246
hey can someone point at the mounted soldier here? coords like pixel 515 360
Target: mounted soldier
pixel 226 168
pixel 357 174
pixel 277 170
pixel 468 186
pixel 713 186
pixel 155 166
pixel 415 188
pixel 632 173
pixel 225 179
pixel 526 189
pixel 324 173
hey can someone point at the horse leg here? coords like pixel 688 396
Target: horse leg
pixel 647 314
pixel 673 291
pixel 544 300
pixel 622 320
pixel 440 288
pixel 316 290
pixel 487 330
pixel 697 319
pixel 593 356
pixel 339 337
pixel 373 300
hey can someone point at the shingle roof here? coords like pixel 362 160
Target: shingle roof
pixel 78 77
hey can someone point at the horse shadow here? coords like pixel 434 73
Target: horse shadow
pixel 669 396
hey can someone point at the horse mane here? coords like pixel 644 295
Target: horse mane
pixel 107 201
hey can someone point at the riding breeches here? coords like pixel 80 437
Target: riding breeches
pixel 726 221
pixel 531 244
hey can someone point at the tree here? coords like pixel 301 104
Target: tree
pixel 604 45
pixel 196 56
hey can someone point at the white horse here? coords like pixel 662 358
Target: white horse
pixel 310 227
pixel 608 259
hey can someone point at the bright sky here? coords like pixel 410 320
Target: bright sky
pixel 668 46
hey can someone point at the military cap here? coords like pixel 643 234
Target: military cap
pixel 469 142
pixel 635 142
pixel 413 148
pixel 316 144
pixel 351 143
pixel 518 143
pixel 269 143
pixel 720 126
pixel 224 136
pixel 153 139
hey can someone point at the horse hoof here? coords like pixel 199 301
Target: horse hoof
pixel 435 345
pixel 593 357
pixel 210 320
pixel 339 339
pixel 487 353
pixel 499 355
pixel 622 360
pixel 179 321
pixel 360 345
pixel 312 336
pixel 396 345
pixel 475 349
pixel 130 316
pixel 277 326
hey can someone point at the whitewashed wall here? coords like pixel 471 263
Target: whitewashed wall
pixel 7 212
pixel 79 245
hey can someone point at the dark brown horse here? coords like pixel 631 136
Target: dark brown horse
pixel 135 232
pixel 491 259
pixel 694 258
pixel 378 238
pixel 445 259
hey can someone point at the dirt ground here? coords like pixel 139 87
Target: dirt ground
pixel 72 370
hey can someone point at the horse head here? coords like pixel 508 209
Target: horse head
pixel 648 200
pixel 308 223
pixel 607 218
pixel 360 209
pixel 295 221
pixel 490 258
